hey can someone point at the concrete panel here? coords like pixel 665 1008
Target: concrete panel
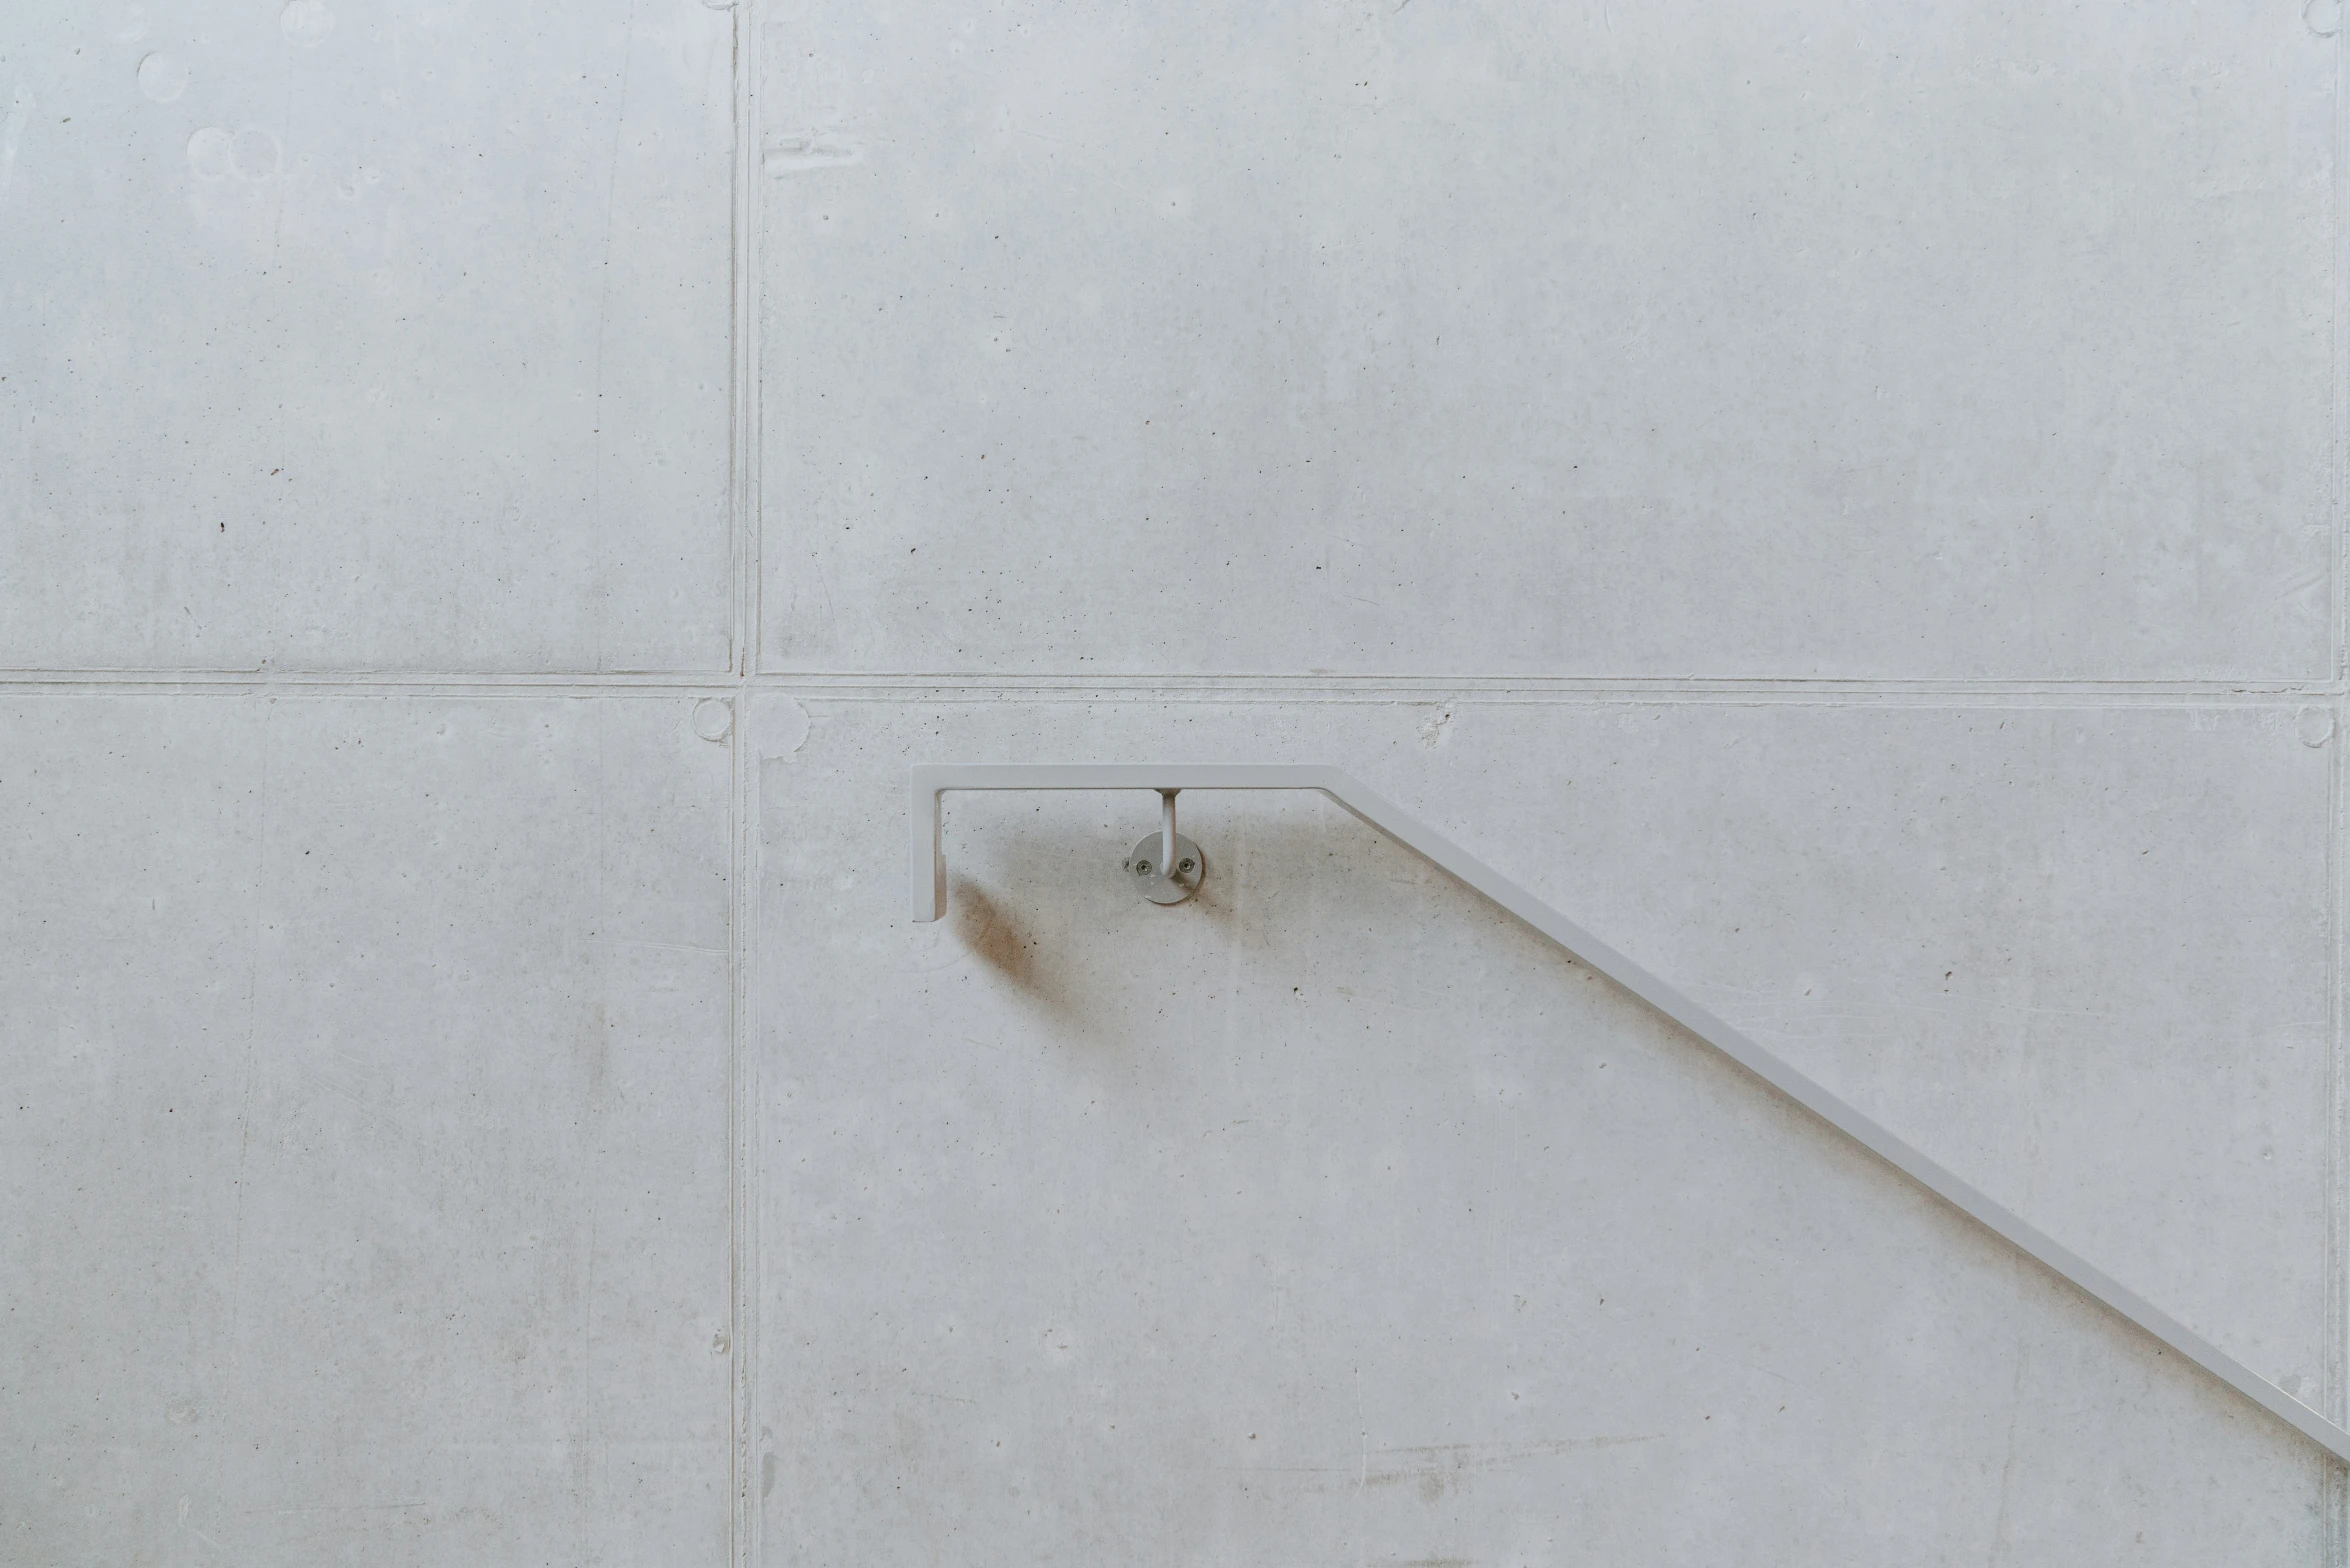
pixel 1336 1217
pixel 2082 955
pixel 1815 338
pixel 366 1085
pixel 361 338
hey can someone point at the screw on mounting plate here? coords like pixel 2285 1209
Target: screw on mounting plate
pixel 1166 866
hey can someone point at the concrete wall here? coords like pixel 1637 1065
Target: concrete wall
pixel 1843 499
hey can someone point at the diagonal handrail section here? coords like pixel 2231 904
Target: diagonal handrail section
pixel 930 902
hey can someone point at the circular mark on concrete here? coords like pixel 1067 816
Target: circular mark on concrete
pixel 163 77
pixel 254 154
pixel 779 725
pixel 713 718
pixel 2317 726
pixel 2323 16
pixel 306 22
pixel 208 153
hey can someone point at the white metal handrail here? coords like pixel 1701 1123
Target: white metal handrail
pixel 930 902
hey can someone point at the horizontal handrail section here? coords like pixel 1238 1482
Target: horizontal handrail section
pixel 930 902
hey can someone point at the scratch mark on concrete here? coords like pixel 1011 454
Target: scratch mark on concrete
pixel 236 1271
pixel 1362 1472
pixel 583 1460
pixel 824 582
pixel 367 1111
pixel 801 151
pixel 11 132
pixel 2002 1534
pixel 1444 1464
pixel 1502 1453
pixel 595 495
pixel 618 942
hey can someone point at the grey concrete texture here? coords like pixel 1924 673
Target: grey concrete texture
pixel 364 337
pixel 1812 338
pixel 1842 500
pixel 1336 1217
pixel 366 1150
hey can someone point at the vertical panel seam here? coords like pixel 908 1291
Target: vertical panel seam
pixel 742 1097
pixel 2335 1499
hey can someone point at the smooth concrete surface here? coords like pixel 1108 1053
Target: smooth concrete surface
pixel 1842 500
pixel 352 336
pixel 366 1132
pixel 1813 338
